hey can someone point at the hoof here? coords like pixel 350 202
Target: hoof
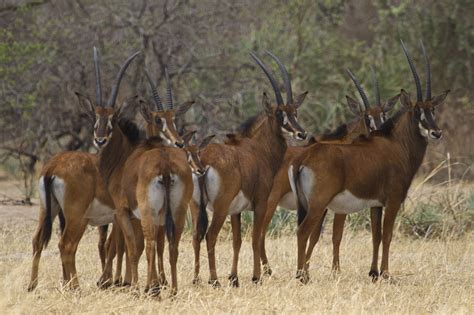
pixel 163 282
pixel 267 271
pixel 104 283
pixel 303 276
pixel 153 291
pixel 197 281
pixel 215 284
pixel 256 280
pixel 374 274
pixel 32 286
pixel 234 281
pixel 387 277
pixel 126 284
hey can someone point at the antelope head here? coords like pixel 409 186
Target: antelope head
pixel 372 116
pixel 193 152
pixel 424 109
pixel 285 114
pixel 104 114
pixel 161 121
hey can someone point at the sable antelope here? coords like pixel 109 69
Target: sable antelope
pixel 158 119
pixel 70 186
pixel 345 178
pixel 120 170
pixel 370 119
pixel 161 188
pixel 240 172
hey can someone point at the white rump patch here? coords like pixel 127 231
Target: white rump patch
pixel 288 201
pixel 156 198
pixel 239 204
pixel 196 190
pixel 58 191
pixel 345 202
pixel 136 214
pixel 99 214
pixel 292 180
pixel 306 181
pixel 213 184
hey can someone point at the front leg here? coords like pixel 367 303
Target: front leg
pixel 236 244
pixel 376 225
pixel 391 211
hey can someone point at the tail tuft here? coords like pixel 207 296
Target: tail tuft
pixel 169 222
pixel 203 220
pixel 47 227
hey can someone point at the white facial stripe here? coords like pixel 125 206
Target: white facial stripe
pixel 382 117
pixel 423 131
pixel 372 122
pixel 285 119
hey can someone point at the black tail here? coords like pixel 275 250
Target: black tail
pixel 47 228
pixel 302 209
pixel 169 223
pixel 203 221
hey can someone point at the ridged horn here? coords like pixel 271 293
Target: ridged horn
pixel 169 94
pixel 359 88
pixel 428 72
pixel 286 78
pixel 375 82
pixel 98 85
pixel 278 97
pixel 116 86
pixel 419 94
pixel 156 97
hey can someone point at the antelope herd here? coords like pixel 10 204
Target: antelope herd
pixel 144 181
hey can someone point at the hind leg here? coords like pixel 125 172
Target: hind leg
pixel 72 234
pixel 140 243
pixel 211 239
pixel 105 279
pixel 196 241
pixel 160 250
pixel 337 230
pixel 37 249
pixel 101 246
pixel 314 216
pixel 313 240
pixel 236 244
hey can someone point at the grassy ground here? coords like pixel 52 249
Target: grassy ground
pixel 431 276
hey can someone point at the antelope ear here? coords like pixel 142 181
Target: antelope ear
pixel 405 99
pixel 438 100
pixel 86 105
pixel 267 106
pixel 390 103
pixel 188 136
pixel 183 108
pixel 354 105
pixel 300 99
pixel 145 111
pixel 206 141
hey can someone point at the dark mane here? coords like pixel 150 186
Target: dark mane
pixel 130 130
pixel 389 124
pixel 113 154
pixel 337 134
pixel 246 127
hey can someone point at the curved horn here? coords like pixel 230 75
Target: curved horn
pixel 375 82
pixel 169 94
pixel 286 78
pixel 359 88
pixel 156 97
pixel 98 86
pixel 428 72
pixel 115 87
pixel 278 97
pixel 419 94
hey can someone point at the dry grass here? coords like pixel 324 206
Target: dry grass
pixel 432 276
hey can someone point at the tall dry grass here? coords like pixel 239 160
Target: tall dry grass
pixel 432 275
